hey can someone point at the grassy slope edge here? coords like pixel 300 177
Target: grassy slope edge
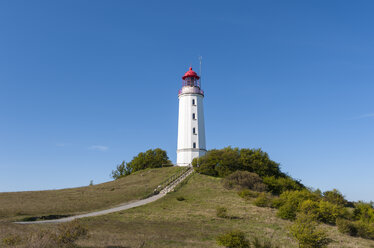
pixel 17 205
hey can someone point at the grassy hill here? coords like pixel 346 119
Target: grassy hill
pixel 18 205
pixel 170 222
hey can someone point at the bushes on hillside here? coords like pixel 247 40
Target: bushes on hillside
pixel 346 227
pixel 233 239
pixel 244 180
pixel 335 197
pixel 227 160
pixel 156 158
pixel 279 185
pixel 263 200
pixel 329 212
pixel 364 212
pixel 305 231
pixel 247 194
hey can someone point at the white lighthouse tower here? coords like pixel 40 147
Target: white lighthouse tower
pixel 191 128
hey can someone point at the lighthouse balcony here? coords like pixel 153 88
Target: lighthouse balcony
pixel 190 90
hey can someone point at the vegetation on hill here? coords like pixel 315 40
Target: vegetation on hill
pixel 252 171
pixel 156 158
pixel 223 162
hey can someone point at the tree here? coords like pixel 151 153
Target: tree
pixel 156 158
pixel 120 171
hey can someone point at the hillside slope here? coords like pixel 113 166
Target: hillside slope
pixel 193 221
pixel 18 205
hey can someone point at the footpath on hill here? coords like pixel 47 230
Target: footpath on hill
pixel 121 207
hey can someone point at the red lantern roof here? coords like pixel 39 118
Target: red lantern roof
pixel 190 73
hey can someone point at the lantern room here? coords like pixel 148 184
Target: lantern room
pixel 191 78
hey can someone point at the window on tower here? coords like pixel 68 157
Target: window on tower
pixel 194 116
pixel 194 145
pixel 193 101
pixel 194 130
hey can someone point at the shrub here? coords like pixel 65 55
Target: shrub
pixel 244 180
pixel 246 194
pixel 180 198
pixel 364 212
pixel 334 197
pixel 365 230
pixel 309 208
pixel 228 160
pixel 329 212
pixel 233 239
pixel 279 185
pixel 305 231
pixel 297 197
pixel 263 200
pixel 346 227
pixel 221 212
pixel 288 211
pixel 290 201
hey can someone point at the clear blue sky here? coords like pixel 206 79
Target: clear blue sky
pixel 87 84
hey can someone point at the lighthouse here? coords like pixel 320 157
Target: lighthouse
pixel 191 128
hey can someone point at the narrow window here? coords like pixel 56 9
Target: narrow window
pixel 194 145
pixel 194 130
pixel 193 101
pixel 194 116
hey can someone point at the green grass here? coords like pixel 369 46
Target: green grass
pixel 192 222
pixel 20 205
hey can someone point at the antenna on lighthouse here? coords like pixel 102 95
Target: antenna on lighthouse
pixel 200 59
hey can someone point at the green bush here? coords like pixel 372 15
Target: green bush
pixel 246 194
pixel 305 231
pixel 288 211
pixel 244 180
pixel 346 227
pixel 233 239
pixel 263 200
pixel 297 197
pixel 309 208
pixel 228 160
pixel 364 212
pixel 335 197
pixel 365 230
pixel 221 212
pixel 329 212
pixel 290 201
pixel 279 185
